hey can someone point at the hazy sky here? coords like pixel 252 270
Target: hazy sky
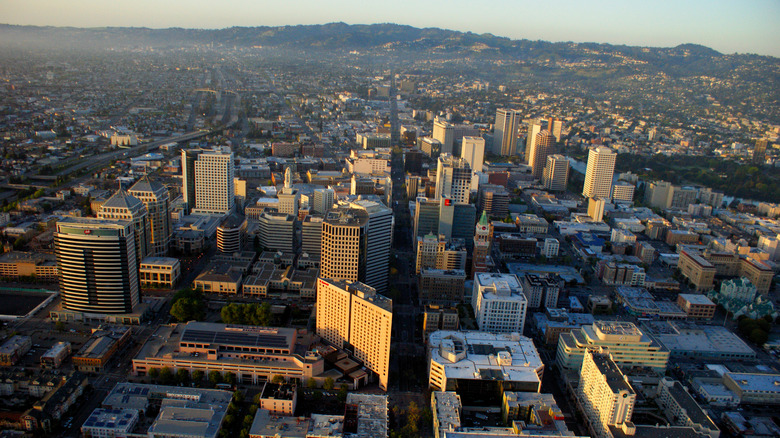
pixel 744 26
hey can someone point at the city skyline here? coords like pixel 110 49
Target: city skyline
pixel 724 25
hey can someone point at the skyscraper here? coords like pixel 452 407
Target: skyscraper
pixel 556 173
pixel 483 237
pixel 505 132
pixel 598 176
pixel 97 265
pixel 352 316
pixel 530 140
pixel 323 200
pixel 556 128
pixel 157 202
pixel 473 151
pixel 289 199
pixel 541 148
pixel 122 206
pixel 379 239
pixel 207 181
pixel 759 152
pixel 453 179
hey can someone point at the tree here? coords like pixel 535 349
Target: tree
pixel 166 376
pixel 328 384
pixel 311 383
pixel 758 336
pixel 215 377
pixel 197 376
pixel 238 396
pixel 182 375
pixel 188 306
pixel 343 391
pixel 278 379
pixel 230 378
pixel 154 373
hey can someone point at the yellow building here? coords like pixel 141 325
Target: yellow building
pixel 696 269
pixel 353 315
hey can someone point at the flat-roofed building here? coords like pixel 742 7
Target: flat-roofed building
pixel 702 342
pixel 758 272
pixel 220 278
pixel 447 408
pixel 682 410
pixel 183 411
pixel 266 424
pixel 352 315
pixel 13 349
pixel 276 231
pixel 499 303
pixel 442 287
pixel 17 264
pixel 530 223
pixel 606 397
pixel 160 271
pixel 697 306
pixel 628 345
pixel 366 416
pixel 698 270
pixel 542 290
pixel 754 388
pixel 100 348
pixel 253 354
pixel 481 365
pixel 437 318
pixel 54 357
pixel 110 423
pixel 278 399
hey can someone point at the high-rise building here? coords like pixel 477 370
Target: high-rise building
pixel 596 207
pixel 289 198
pixel 311 236
pixel 352 316
pixel 556 128
pixel 494 200
pixel 473 151
pixel 505 132
pixel 598 176
pixel 231 234
pixel 556 173
pixel 453 179
pixel 97 264
pixel 323 200
pixel 442 287
pixel 541 148
pixel 276 231
pixel 450 135
pixel 530 139
pixel 483 238
pixel 440 253
pixel 157 202
pixel 499 303
pixel 604 393
pixel 207 181
pixel 759 151
pixel 379 237
pixel 122 206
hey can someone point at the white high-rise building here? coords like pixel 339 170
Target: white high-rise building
pixel 122 206
pixel 379 240
pixel 453 179
pixel 323 200
pixel 289 199
pixel 598 176
pixel 351 315
pixel 605 394
pixel 97 264
pixel 499 303
pixel 157 201
pixel 530 140
pixel 556 173
pixel 210 173
pixel 473 151
pixel 505 132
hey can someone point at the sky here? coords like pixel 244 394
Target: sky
pixel 728 26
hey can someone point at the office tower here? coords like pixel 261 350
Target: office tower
pixel 623 192
pixel 556 128
pixel 412 186
pixel 473 151
pixel 598 176
pixel 438 252
pixel 530 139
pixel 426 217
pixel 453 179
pixel 442 287
pixel 454 221
pixel 158 208
pixel 207 181
pixel 311 236
pixel 230 234
pixel 188 158
pixel 541 148
pixel 604 393
pixel 556 173
pixel 289 199
pixel 759 152
pixel 323 200
pixel 499 303
pixel 483 237
pixel 450 135
pixel 494 200
pixel 352 316
pixel 276 231
pixel 97 264
pixel 379 239
pixel 121 206
pixel 505 132
pixel 596 208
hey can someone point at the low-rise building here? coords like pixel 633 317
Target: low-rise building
pixel 100 347
pixel 366 416
pixel 542 291
pixel 14 265
pixel 221 278
pixel 698 270
pixel 691 340
pixel 751 388
pixel 441 287
pixel 638 301
pixel 696 306
pixel 550 324
pixel 436 318
pixel 159 271
pixel 278 399
pixel 110 423
pixel 682 410
pixel 13 349
pixel 55 355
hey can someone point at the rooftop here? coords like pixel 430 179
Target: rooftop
pixel 612 374
pixel 750 382
pixel 265 424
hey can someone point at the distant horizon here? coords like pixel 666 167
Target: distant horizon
pixel 727 26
